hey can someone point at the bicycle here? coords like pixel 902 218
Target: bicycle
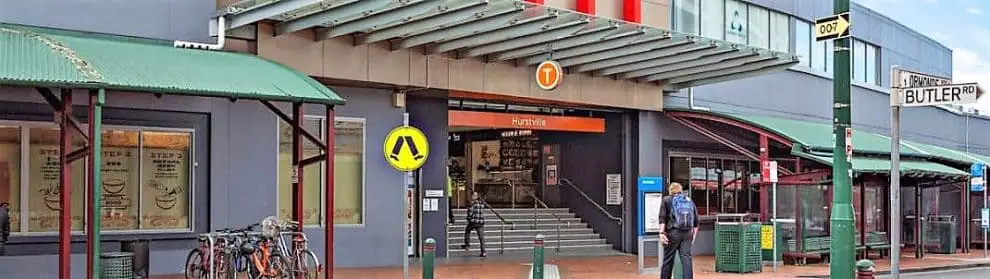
pixel 224 248
pixel 303 261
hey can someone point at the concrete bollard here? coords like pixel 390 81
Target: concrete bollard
pixel 865 269
pixel 538 257
pixel 429 257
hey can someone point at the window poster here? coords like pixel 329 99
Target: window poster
pixel 165 188
pixel 44 200
pixel 120 188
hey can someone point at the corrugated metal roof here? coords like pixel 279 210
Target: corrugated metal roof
pixel 32 56
pixel 882 165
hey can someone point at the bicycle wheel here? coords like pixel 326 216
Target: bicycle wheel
pixel 194 265
pixel 307 264
pixel 280 266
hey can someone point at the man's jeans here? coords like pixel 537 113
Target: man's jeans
pixel 679 245
pixel 480 228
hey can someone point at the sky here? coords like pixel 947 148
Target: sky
pixel 962 25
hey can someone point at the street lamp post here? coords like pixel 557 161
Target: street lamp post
pixel 842 219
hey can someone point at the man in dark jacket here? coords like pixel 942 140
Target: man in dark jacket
pixel 4 225
pixel 476 222
pixel 678 229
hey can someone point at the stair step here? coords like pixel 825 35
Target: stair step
pixel 456 240
pixel 521 221
pixel 528 243
pixel 518 210
pixel 495 226
pixel 549 251
pixel 526 232
pixel 517 215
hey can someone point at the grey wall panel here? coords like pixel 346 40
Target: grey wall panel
pixel 161 19
pixel 430 116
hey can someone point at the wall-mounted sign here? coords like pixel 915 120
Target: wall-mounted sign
pixel 773 171
pixel 832 27
pixel 461 118
pixel 613 189
pixel 548 75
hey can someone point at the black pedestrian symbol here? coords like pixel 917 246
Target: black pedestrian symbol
pixel 405 140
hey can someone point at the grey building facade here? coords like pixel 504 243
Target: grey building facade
pixel 237 173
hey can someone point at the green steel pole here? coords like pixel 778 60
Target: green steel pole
pixel 538 257
pixel 842 231
pixel 96 100
pixel 429 255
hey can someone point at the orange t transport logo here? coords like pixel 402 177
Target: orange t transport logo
pixel 548 75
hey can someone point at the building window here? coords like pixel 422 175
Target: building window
pixel 736 22
pixel 713 19
pixel 145 181
pixel 802 42
pixel 717 185
pixel 818 52
pixel 759 27
pixel 829 56
pixel 780 32
pixel 872 60
pixel 859 61
pixel 348 172
pixel 686 16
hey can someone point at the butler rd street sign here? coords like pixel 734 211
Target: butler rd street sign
pixel 965 93
pixel 832 27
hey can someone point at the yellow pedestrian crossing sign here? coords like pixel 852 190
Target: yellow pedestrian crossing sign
pixel 406 148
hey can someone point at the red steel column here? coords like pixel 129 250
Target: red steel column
pixel 328 195
pixel 535 1
pixel 65 185
pixel 586 6
pixel 764 191
pixel 632 11
pixel 297 168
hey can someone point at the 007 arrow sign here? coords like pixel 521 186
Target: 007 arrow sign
pixel 832 27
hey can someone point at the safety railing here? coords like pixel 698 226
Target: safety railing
pixel 537 202
pixel 501 229
pixel 590 200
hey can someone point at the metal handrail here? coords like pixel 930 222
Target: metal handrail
pixel 536 203
pixel 501 229
pixel 592 201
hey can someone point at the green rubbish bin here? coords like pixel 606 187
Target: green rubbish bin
pixel 116 265
pixel 737 247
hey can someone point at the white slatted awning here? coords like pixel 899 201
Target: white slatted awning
pixel 526 33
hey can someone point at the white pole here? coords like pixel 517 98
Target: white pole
pixel 775 232
pixel 981 213
pixel 895 174
pixel 405 218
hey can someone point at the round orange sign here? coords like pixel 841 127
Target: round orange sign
pixel 548 75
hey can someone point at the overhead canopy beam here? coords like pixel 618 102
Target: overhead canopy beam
pixel 332 14
pixel 727 76
pixel 624 51
pixel 612 43
pixel 269 10
pixel 713 63
pixel 614 31
pixel 562 29
pixel 666 52
pixel 688 54
pixel 513 30
pixel 384 17
pixel 760 65
pixel 481 22
pixel 437 18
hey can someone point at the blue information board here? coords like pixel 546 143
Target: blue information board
pixel 977 177
pixel 649 196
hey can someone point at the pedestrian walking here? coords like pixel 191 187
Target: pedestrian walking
pixel 678 229
pixel 450 199
pixel 4 226
pixel 476 222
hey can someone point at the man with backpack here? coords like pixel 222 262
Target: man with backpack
pixel 678 229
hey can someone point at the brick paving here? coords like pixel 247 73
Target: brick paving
pixel 624 267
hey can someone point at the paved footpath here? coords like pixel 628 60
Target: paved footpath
pixel 624 267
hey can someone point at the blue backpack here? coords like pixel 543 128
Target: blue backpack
pixel 682 211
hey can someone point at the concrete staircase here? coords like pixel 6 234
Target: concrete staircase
pixel 576 237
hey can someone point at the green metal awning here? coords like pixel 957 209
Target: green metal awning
pixel 882 165
pixel 40 57
pixel 527 33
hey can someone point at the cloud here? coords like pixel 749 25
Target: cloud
pixel 970 66
pixel 975 11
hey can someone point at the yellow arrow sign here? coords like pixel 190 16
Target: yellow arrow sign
pixel 832 27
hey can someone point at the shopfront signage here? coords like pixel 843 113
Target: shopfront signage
pixel 964 93
pixel 406 148
pixel 461 118
pixel 832 27
pixel 548 75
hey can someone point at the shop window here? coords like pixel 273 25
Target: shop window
pixel 10 173
pixel 713 19
pixel 686 16
pixel 780 32
pixel 716 185
pixel 759 27
pixel 43 182
pixel 348 172
pixel 121 180
pixel 802 42
pixel 736 22
pixel 145 179
pixel 165 169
